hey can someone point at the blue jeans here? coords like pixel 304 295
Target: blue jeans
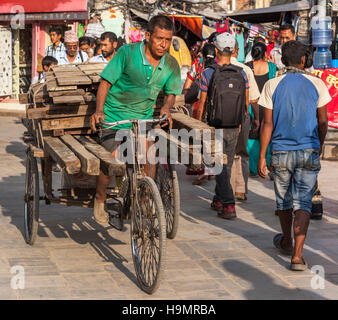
pixel 295 175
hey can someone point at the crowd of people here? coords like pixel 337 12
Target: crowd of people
pixel 271 110
pixel 77 50
pixel 281 130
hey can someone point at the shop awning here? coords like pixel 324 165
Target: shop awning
pixel 192 23
pixel 269 14
pixel 44 6
pixel 44 10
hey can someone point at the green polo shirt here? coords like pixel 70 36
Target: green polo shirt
pixel 135 84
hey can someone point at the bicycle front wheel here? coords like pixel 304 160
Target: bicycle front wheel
pixel 148 235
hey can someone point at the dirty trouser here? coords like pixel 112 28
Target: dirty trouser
pixel 240 167
pixel 223 190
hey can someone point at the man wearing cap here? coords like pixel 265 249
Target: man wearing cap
pixel 224 201
pixel 72 53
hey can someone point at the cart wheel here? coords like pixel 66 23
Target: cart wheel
pixel 31 199
pixel 167 182
pixel 148 235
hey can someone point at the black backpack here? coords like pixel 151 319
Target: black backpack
pixel 226 97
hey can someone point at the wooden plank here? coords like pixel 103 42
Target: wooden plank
pixel 89 163
pixel 73 132
pixel 73 74
pixel 52 86
pixel 62 111
pixel 108 163
pixel 92 67
pixel 95 78
pixel 183 121
pixel 66 123
pixel 69 100
pixel 76 80
pixel 77 92
pixel 37 152
pixel 65 68
pixel 62 155
pixel 23 98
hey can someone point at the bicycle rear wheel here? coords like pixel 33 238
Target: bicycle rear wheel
pixel 148 235
pixel 168 186
pixel 32 198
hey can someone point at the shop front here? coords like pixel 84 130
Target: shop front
pixel 29 23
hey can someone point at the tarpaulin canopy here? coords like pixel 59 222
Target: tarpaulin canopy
pixel 269 14
pixel 30 6
pixel 192 23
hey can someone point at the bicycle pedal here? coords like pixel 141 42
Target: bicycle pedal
pixel 116 221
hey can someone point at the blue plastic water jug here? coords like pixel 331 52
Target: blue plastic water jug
pixel 322 40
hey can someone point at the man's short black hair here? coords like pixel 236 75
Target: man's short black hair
pixel 48 61
pixel 292 52
pixel 287 27
pixel 84 40
pixel 56 29
pixel 111 36
pixel 163 22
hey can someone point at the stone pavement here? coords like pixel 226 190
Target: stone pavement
pixel 211 258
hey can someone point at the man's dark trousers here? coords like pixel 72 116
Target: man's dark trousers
pixel 223 191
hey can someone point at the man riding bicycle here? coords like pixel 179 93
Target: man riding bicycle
pixel 129 88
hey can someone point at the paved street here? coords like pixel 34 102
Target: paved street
pixel 211 258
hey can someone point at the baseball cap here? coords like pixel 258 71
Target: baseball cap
pixel 225 40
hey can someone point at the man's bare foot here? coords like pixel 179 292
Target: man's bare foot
pixel 100 215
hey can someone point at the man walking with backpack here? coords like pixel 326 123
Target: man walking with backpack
pixel 226 88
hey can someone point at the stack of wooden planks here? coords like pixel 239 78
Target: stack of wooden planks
pixel 66 99
pixel 83 154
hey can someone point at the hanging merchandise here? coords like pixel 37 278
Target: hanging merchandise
pixel 223 26
pixel 136 35
pixel 81 30
pixel 113 21
pixel 180 51
pixel 241 46
pixel 94 30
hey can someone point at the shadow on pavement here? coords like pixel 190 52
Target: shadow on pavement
pixel 75 223
pixel 259 236
pixel 263 287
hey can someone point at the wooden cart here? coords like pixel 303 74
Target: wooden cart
pixel 59 134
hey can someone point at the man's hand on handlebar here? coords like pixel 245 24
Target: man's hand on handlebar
pixel 165 111
pixel 95 119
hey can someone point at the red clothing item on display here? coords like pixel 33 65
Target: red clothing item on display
pixel 270 47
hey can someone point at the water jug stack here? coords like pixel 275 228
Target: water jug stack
pixel 322 38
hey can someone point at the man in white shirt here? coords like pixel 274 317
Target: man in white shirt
pixel 72 53
pixel 287 33
pixel 108 47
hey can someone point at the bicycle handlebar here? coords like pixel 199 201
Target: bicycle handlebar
pixel 117 123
